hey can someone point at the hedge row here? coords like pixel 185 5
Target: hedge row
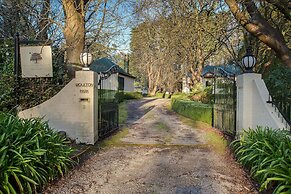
pixel 121 96
pixel 193 110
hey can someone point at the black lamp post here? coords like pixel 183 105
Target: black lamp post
pixel 86 58
pixel 249 61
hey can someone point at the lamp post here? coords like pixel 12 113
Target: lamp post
pixel 86 58
pixel 249 61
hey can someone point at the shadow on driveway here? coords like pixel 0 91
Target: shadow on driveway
pixel 138 108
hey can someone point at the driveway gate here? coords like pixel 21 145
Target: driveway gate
pixel 224 109
pixel 108 107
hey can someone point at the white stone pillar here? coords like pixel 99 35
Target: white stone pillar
pixel 252 107
pixel 86 91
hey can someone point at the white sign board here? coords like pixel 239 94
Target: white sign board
pixel 36 61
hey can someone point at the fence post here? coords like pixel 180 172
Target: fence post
pixel 234 102
pixel 16 68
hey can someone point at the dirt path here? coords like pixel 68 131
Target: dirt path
pixel 158 154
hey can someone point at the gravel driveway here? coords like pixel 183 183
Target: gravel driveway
pixel 158 154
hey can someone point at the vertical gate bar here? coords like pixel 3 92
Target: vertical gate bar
pixel 212 120
pixel 234 102
pixel 16 68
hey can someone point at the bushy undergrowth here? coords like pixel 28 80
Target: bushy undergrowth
pixel 267 154
pixel 121 96
pixel 31 154
pixel 205 95
pixel 193 110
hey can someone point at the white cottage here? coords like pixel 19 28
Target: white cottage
pixel 122 81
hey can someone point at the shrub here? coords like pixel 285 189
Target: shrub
pixel 121 96
pixel 193 110
pixel 161 95
pixel 204 96
pixel 267 154
pixel 279 88
pixel 31 154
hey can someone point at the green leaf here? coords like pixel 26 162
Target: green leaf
pixel 18 182
pixel 28 179
pixel 11 189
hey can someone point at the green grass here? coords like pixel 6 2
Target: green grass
pixel 194 110
pixel 122 108
pixel 216 141
pixel 267 154
pixel 115 140
pixel 177 95
pixel 160 95
pixel 213 138
pixel 162 126
pixel 122 96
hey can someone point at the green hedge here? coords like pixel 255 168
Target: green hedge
pixel 193 110
pixel 31 154
pixel 267 154
pixel 121 96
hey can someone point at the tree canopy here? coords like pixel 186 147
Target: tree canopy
pixel 170 40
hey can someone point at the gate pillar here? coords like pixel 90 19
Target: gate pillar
pixel 86 91
pixel 252 107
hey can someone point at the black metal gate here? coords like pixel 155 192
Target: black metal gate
pixel 224 109
pixel 107 110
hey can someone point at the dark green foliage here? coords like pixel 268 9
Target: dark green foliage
pixel 279 82
pixel 267 154
pixel 122 96
pixel 31 154
pixel 204 95
pixel 193 110
pixel 31 91
pixel 6 74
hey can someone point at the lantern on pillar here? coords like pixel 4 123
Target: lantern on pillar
pixel 249 61
pixel 86 58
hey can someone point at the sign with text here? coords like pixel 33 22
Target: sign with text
pixel 36 61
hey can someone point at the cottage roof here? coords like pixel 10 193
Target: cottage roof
pixel 221 71
pixel 104 64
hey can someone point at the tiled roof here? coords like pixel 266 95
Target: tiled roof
pixel 221 71
pixel 103 65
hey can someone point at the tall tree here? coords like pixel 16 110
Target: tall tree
pixel 74 30
pixel 44 22
pixel 249 16
pixel 187 33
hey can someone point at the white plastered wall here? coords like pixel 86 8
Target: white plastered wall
pixel 252 107
pixel 128 83
pixel 111 83
pixel 73 110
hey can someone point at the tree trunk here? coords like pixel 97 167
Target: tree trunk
pixel 44 20
pixel 259 27
pixel 74 31
pixel 153 91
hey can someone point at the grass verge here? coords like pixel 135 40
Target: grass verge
pixel 122 108
pixel 115 140
pixel 214 138
pixel 194 110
